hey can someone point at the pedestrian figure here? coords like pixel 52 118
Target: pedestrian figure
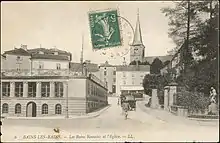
pixel 125 108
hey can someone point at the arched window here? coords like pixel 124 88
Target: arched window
pixel 44 109
pixel 5 108
pixel 58 109
pixel 18 108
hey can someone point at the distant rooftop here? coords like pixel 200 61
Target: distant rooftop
pixel 150 59
pixel 16 51
pixel 40 53
pixel 106 64
pixel 133 68
pixel 90 66
pixel 48 51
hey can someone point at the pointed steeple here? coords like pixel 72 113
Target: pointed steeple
pixel 137 35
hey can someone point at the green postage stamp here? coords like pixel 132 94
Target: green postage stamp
pixel 105 30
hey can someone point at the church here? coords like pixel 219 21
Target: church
pixel 137 52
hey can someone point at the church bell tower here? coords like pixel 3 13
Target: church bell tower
pixel 137 47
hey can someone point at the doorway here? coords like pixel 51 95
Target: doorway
pixel 31 109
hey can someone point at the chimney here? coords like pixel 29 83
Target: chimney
pixel 24 47
pixel 124 62
pixel 85 71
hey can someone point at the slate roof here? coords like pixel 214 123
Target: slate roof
pixel 3 56
pixel 54 57
pixel 106 65
pixel 48 51
pixel 76 67
pixel 150 59
pixel 34 53
pixel 19 51
pixel 133 68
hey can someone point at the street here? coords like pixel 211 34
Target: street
pixel 138 126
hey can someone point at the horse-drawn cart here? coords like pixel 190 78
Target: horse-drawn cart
pixel 129 99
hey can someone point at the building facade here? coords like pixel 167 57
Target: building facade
pixel 3 66
pixel 130 77
pixel 29 96
pixel 36 59
pixel 107 73
pixel 39 82
pixel 17 59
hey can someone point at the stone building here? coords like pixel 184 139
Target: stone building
pixel 35 96
pixel 36 59
pixel 38 82
pixel 130 78
pixel 107 73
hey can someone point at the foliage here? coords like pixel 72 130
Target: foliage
pixel 203 40
pixel 160 95
pixel 178 18
pixel 139 63
pixel 166 63
pixel 178 21
pixel 151 81
pixel 156 66
pixel 192 101
pixel 145 63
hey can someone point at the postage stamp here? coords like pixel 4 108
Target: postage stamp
pixel 105 29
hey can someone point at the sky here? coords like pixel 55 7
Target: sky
pixel 62 24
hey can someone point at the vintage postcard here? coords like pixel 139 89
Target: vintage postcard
pixel 109 71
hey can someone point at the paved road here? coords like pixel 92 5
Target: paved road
pixel 143 126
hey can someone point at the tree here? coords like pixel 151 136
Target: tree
pixel 139 63
pixel 178 17
pixel 206 46
pixel 166 63
pixel 202 40
pixel 133 63
pixel 145 63
pixel 151 81
pixel 178 21
pixel 156 66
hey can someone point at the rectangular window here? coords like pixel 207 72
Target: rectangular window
pixel 124 82
pixel 58 89
pixel 31 89
pixel 41 65
pixel 114 72
pixel 95 90
pixel 45 89
pixel 88 88
pixel 58 66
pixel 105 72
pixel 114 80
pixel 113 88
pixel 92 89
pixel 132 75
pixel 18 89
pixel 133 82
pixel 5 89
pixel 124 75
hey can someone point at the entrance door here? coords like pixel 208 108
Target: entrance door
pixel 31 109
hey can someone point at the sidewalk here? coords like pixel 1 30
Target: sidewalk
pixel 84 116
pixel 171 118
